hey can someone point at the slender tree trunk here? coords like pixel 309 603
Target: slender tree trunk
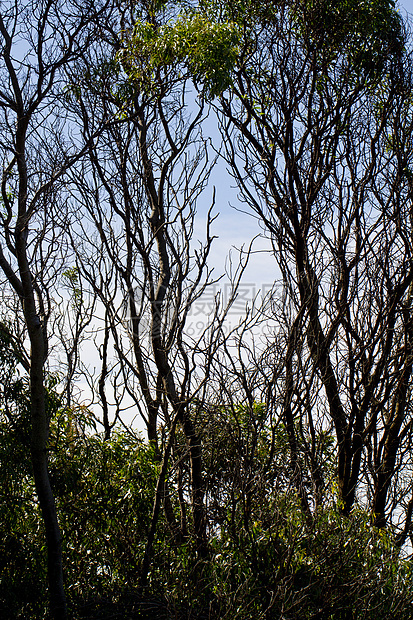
pixel 39 421
pixel 197 486
pixel 39 438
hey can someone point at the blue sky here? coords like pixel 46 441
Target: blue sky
pixel 407 5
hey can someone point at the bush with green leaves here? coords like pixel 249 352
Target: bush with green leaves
pixel 332 568
pixel 22 551
pixel 268 558
pixel 104 491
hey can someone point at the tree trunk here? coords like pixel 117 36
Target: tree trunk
pixel 39 438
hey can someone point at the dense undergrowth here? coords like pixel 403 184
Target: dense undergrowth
pixel 266 557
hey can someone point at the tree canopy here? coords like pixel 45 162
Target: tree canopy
pixel 269 475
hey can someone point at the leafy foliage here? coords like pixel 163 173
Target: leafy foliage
pixel 265 561
pixel 209 42
pixel 372 30
pixel 279 545
pixel 208 49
